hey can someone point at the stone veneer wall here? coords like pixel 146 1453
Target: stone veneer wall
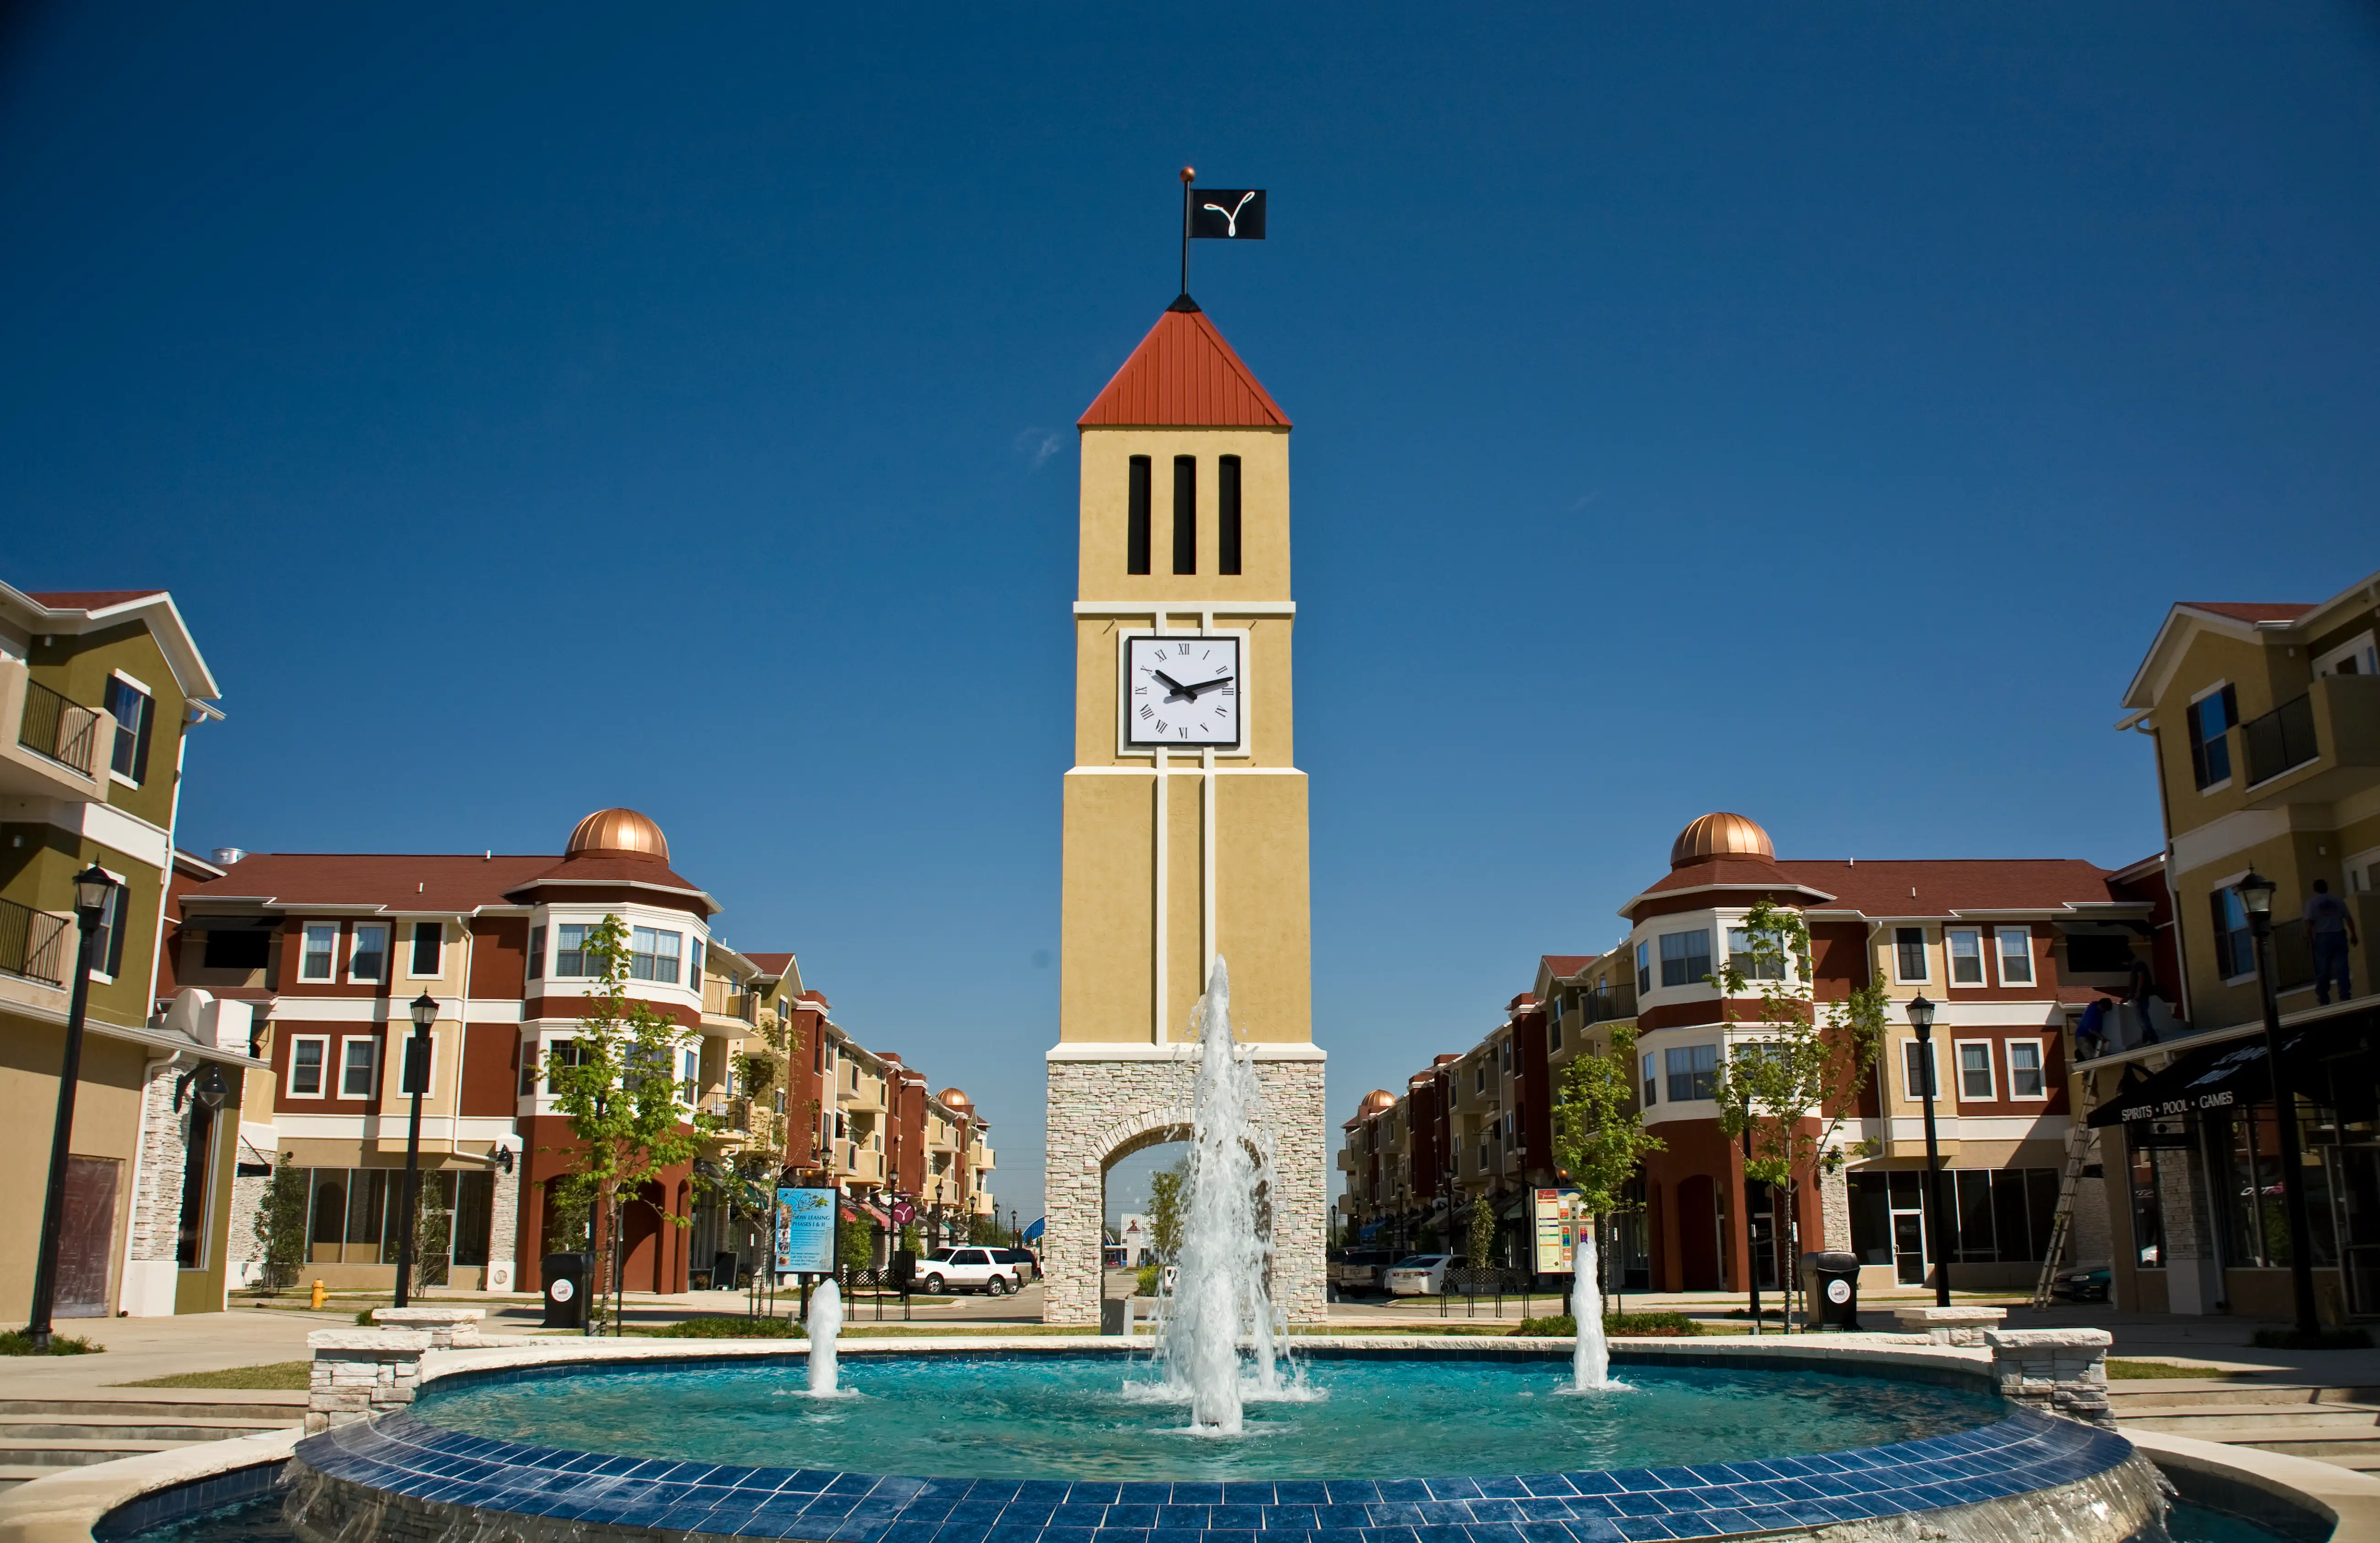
pixel 1105 1101
pixel 150 1267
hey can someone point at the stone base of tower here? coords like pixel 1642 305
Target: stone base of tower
pixel 1108 1102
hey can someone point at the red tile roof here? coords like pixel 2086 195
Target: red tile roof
pixel 1954 884
pixel 1183 375
pixel 1562 964
pixel 772 964
pixel 2251 610
pixel 88 600
pixel 396 882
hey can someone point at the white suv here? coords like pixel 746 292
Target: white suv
pixel 969 1270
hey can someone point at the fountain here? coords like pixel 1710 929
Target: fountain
pixel 1590 1359
pixel 825 1322
pixel 1220 1295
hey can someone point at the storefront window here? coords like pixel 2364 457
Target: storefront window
pixel 2247 1152
pixel 2148 1209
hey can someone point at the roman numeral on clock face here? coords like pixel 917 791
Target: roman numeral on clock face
pixel 1148 711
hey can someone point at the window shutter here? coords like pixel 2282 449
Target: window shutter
pixel 148 716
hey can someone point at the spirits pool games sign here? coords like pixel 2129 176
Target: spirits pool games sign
pixel 1557 1217
pixel 806 1231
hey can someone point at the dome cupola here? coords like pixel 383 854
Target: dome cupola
pixel 1721 835
pixel 618 834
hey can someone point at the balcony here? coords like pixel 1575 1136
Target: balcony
pixel 1609 1006
pixel 56 749
pixel 35 944
pixel 862 1163
pixel 2315 748
pixel 866 1096
pixel 719 1002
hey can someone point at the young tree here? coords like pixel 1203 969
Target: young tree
pixel 281 1225
pixel 1785 1096
pixel 629 1119
pixel 1599 1139
pixel 1168 1195
pixel 1481 1242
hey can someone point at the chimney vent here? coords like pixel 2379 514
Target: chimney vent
pixel 227 855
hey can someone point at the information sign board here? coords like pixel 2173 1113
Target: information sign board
pixel 1557 1218
pixel 806 1231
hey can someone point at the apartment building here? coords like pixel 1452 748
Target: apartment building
pixel 328 950
pixel 99 692
pixel 2265 726
pixel 2009 951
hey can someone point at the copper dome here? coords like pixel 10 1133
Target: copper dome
pixel 618 834
pixel 1376 1101
pixel 1720 835
pixel 950 1098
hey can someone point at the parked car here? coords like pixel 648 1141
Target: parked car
pixel 969 1270
pixel 1418 1275
pixel 1358 1270
pixel 2083 1285
pixel 1028 1265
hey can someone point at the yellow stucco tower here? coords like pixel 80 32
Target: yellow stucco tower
pixel 1185 813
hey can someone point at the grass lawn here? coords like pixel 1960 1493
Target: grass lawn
pixel 2120 1370
pixel 285 1377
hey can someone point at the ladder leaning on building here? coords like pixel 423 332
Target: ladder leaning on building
pixel 2078 1157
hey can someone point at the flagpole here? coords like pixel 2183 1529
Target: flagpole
pixel 1187 173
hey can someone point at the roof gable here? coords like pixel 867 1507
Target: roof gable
pixel 1183 375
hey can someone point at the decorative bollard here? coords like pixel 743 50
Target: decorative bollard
pixel 1959 1326
pixel 360 1372
pixel 448 1328
pixel 2058 1371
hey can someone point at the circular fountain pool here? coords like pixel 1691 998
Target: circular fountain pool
pixel 1088 1417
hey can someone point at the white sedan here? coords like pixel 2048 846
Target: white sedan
pixel 1418 1275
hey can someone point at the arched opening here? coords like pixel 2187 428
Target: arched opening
pixel 1142 1190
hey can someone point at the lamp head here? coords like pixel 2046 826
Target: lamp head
pixel 92 888
pixel 424 1009
pixel 2255 893
pixel 208 1089
pixel 1920 1016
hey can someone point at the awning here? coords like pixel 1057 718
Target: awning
pixel 1033 1233
pixel 2216 1076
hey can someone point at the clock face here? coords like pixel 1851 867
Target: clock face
pixel 1182 691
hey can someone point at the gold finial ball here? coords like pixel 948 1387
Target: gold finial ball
pixel 618 834
pixel 1720 835
pixel 1189 172
pixel 1377 1099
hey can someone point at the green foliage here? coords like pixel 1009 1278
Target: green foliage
pixel 1147 1278
pixel 985 1228
pixel 2122 1370
pixel 1599 1136
pixel 1564 1326
pixel 754 1070
pixel 620 1100
pixel 280 1377
pixel 281 1225
pixel 910 1240
pixel 15 1342
pixel 859 1244
pixel 1169 1199
pixel 1803 1068
pixel 723 1326
pixel 1483 1234
pixel 432 1226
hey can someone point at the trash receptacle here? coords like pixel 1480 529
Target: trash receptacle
pixel 566 1290
pixel 904 1270
pixel 1832 1281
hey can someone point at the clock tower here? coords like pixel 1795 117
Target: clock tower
pixel 1185 827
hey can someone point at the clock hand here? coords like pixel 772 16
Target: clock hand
pixel 1174 688
pixel 1207 686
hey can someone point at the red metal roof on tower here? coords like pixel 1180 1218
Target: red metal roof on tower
pixel 1183 375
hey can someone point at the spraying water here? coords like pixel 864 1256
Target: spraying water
pixel 1590 1361
pixel 825 1323
pixel 1219 1294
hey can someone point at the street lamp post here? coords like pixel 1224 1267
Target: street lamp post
pixel 1921 1018
pixel 416 1081
pixel 2255 893
pixel 93 886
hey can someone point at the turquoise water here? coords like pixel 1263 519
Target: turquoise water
pixel 1074 1417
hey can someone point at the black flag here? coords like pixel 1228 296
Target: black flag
pixel 1227 214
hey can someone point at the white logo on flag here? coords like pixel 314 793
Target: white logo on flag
pixel 1232 216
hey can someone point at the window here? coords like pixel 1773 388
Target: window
pixel 320 960
pixel 694 964
pixel 369 960
pixel 307 1054
pixel 2098 953
pixel 571 960
pixel 537 953
pixel 2235 952
pixel 247 948
pixel 1909 954
pixel 2207 726
pixel 562 1052
pixel 428 938
pixel 190 1240
pixel 690 1073
pixel 1966 944
pixel 2016 955
pixel 1976 1083
pixel 1136 540
pixel 1693 1072
pixel 1227 514
pixel 1769 965
pixel 135 712
pixel 652 954
pixel 107 943
pixel 1479 1076
pixel 1916 1077
pixel 359 1059
pixel 1652 1088
pixel 1685 958
pixel 1553 1031
pixel 1644 966
pixel 1185 514
pixel 2026 1079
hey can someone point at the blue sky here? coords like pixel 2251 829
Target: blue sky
pixel 1807 411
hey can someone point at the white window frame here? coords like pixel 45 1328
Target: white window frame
pixel 1950 960
pixel 438 973
pixel 354 946
pixel 2040 1049
pixel 2360 648
pixel 144 687
pixel 1991 1070
pixel 2190 726
pixel 323 1068
pixel 304 952
pixel 2000 951
pixel 1925 951
pixel 1910 1091
pixel 345 1040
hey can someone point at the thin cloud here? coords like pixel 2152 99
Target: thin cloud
pixel 1036 445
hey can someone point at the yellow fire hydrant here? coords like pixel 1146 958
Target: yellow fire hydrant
pixel 319 1295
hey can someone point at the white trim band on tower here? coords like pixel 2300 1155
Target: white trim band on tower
pixel 1211 608
pixel 1135 1049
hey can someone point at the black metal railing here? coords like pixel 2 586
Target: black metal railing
pixel 1603 1007
pixel 34 944
pixel 59 727
pixel 2280 740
